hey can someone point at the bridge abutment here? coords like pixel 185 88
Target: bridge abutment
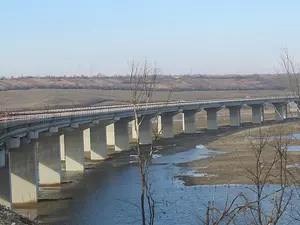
pixel 212 118
pixel 49 160
pixel 189 121
pixel 165 125
pixel 98 142
pixel 235 116
pixel 257 113
pixel 74 149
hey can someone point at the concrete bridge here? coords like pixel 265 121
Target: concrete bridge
pixel 34 143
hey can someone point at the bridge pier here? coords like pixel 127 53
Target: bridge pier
pixel 133 131
pixel 257 113
pixel 110 134
pixel 212 118
pixel 74 149
pixel 235 116
pixel 62 147
pixel 298 108
pixel 145 130
pixel 5 192
pixel 86 140
pixel 98 142
pixel 49 160
pixel 121 136
pixel 165 125
pixel 189 121
pixel 23 173
pixel 280 111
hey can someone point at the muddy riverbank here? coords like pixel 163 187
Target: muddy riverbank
pixel 238 159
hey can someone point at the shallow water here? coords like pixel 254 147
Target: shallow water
pixel 114 198
pixel 293 148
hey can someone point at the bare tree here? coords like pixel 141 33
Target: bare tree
pixel 142 86
pixel 253 210
pixel 292 71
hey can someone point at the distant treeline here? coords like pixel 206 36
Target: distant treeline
pixel 197 82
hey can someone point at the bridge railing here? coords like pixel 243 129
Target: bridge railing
pixel 12 112
pixel 9 118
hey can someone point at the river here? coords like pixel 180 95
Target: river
pixel 108 193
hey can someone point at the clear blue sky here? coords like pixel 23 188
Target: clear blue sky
pixel 205 36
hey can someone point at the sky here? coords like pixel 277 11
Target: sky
pixel 55 37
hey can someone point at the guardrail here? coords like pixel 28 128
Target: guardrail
pixel 7 116
pixel 48 111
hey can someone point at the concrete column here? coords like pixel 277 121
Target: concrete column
pixel 23 173
pixel 98 142
pixel 121 135
pixel 133 131
pixel 74 150
pixel 280 111
pixel 212 118
pixel 5 193
pixel 110 134
pixel 62 147
pixel 298 108
pixel 165 126
pixel 2 157
pixel 145 130
pixel 235 116
pixel 257 113
pixel 86 140
pixel 49 160
pixel 189 122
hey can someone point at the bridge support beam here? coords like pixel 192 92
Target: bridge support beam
pixel 23 173
pixel 189 121
pixel 257 113
pixel 49 160
pixel 98 142
pixel 121 135
pixel 235 116
pixel 280 111
pixel 110 134
pixel 5 192
pixel 165 125
pixel 145 130
pixel 212 118
pixel 74 150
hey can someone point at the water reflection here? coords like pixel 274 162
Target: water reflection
pixel 200 152
pixel 115 199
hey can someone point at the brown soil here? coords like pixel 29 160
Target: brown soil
pixel 231 168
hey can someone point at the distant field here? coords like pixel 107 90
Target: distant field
pixel 165 82
pixel 65 97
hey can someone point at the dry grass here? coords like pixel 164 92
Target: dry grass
pixel 65 97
